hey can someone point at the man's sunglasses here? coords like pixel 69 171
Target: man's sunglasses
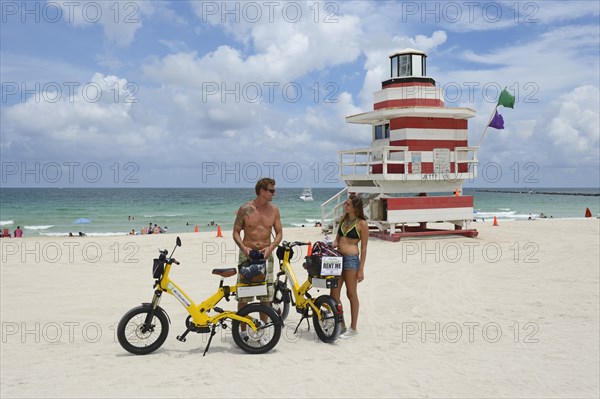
pixel 271 190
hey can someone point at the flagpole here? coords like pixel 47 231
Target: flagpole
pixel 487 125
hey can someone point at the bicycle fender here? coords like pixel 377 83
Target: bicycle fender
pixel 158 309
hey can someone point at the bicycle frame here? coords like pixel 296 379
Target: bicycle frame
pixel 299 292
pixel 199 312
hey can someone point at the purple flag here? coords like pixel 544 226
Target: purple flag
pixel 497 121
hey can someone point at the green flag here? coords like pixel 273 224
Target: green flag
pixel 506 99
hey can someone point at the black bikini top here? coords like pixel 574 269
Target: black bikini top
pixel 352 232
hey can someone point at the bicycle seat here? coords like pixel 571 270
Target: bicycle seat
pixel 231 271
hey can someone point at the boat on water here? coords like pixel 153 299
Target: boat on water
pixel 306 194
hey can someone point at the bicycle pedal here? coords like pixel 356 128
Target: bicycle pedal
pixel 180 338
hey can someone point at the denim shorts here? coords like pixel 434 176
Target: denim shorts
pixel 351 262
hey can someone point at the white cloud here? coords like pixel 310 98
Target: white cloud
pixel 569 129
pixel 95 121
pixel 284 47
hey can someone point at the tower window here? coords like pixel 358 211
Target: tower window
pixel 381 131
pixel 404 66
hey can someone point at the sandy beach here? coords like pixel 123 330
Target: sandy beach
pixel 511 313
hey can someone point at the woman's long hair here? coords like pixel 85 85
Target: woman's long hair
pixel 357 204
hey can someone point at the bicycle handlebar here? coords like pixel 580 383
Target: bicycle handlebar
pixel 163 256
pixel 293 244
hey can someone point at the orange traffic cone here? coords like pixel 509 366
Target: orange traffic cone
pixel 309 250
pixel 456 193
pixel 588 213
pixel 495 222
pixel 219 234
pixel 196 229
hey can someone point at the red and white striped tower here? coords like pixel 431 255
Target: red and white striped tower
pixel 419 157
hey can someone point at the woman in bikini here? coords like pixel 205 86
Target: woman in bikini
pixel 353 229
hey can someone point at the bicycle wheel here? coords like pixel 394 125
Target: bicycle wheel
pixel 137 339
pixel 280 303
pixel 267 335
pixel 328 325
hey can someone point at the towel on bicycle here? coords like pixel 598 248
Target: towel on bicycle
pixel 254 269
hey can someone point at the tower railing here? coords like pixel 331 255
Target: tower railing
pixel 362 160
pixel 373 164
pixel 332 209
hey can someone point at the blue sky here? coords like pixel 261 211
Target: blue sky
pixel 108 93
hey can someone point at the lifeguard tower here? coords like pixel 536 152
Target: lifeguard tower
pixel 412 175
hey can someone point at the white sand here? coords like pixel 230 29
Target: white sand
pixel 512 313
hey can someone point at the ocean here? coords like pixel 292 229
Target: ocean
pixel 116 211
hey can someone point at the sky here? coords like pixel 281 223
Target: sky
pixel 218 94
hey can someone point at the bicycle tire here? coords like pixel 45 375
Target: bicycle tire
pixel 266 337
pixel 133 339
pixel 328 325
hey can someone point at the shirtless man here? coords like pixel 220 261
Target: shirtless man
pixel 257 218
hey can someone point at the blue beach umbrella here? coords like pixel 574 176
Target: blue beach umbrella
pixel 82 221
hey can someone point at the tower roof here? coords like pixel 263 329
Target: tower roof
pixel 381 115
pixel 408 51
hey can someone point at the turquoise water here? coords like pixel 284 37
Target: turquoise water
pixel 52 211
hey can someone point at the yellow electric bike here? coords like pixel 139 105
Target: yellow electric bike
pixel 324 310
pixel 256 328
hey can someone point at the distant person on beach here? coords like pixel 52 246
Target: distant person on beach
pixel 353 229
pixel 257 219
pixel 18 232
